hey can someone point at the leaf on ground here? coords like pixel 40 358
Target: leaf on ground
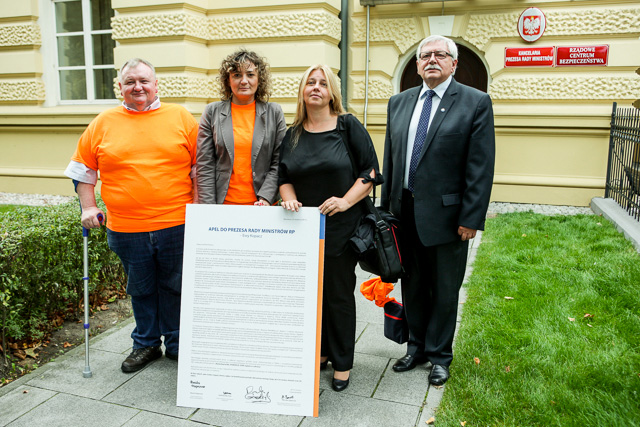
pixel 524 235
pixel 104 307
pixel 589 325
pixel 507 369
pixel 25 391
pixel 463 423
pixel 477 360
pixel 588 315
pixel 31 352
pixel 430 420
pixel 572 319
pixel 66 344
pixel 553 402
pixel 20 354
pixel 508 297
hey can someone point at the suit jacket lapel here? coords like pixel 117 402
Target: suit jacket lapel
pixel 227 128
pixel 404 118
pixel 259 129
pixel 446 103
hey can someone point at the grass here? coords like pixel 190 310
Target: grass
pixel 7 208
pixel 565 350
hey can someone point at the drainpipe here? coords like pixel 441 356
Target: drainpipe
pixel 344 52
pixel 366 74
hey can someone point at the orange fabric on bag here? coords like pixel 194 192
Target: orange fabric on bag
pixel 377 290
pixel 241 191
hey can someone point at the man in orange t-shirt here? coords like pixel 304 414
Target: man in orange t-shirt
pixel 145 152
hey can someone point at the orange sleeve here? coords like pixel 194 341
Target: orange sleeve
pixel 85 151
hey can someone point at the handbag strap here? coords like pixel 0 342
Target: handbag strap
pixel 342 127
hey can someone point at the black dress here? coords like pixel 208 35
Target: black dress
pixel 319 168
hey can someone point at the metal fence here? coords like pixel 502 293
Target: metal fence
pixel 623 170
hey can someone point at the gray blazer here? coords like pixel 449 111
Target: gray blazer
pixel 214 162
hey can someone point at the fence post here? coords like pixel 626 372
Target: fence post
pixel 607 184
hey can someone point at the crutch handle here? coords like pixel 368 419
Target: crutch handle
pixel 85 231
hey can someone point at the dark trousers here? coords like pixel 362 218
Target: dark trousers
pixel 430 290
pixel 339 310
pixel 153 263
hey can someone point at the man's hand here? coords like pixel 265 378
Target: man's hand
pixel 466 233
pixel 89 218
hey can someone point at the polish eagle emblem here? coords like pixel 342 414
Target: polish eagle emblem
pixel 531 25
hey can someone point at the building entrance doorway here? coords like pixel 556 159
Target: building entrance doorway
pixel 470 71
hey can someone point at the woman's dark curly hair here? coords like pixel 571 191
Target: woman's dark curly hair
pixel 236 62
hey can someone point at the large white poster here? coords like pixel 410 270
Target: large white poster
pixel 251 307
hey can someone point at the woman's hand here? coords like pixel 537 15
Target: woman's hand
pixel 261 202
pixel 334 205
pixel 292 205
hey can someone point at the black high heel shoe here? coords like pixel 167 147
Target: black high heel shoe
pixel 339 385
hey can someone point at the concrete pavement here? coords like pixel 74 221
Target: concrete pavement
pixel 56 394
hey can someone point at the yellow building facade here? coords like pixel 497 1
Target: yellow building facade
pixel 58 61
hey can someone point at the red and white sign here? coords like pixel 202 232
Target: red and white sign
pixel 528 56
pixel 531 24
pixel 582 55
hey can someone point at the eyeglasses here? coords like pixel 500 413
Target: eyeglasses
pixel 439 54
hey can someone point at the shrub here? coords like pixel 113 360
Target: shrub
pixel 41 267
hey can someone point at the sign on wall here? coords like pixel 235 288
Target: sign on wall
pixel 531 24
pixel 528 57
pixel 559 56
pixel 582 55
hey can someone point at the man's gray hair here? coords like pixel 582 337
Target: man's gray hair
pixel 451 45
pixel 134 62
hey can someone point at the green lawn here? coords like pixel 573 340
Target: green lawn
pixel 553 318
pixel 6 208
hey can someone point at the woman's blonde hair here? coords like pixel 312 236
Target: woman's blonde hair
pixel 335 104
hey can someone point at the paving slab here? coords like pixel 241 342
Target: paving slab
pixel 152 389
pixel 340 409
pixel 244 419
pixel 65 410
pixel 150 419
pixel 364 377
pixel 22 400
pixel 373 342
pixel 65 375
pixel 116 341
pixel 432 403
pixel 404 387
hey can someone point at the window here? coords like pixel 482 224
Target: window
pixel 84 47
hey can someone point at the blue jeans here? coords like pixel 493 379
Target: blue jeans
pixel 153 263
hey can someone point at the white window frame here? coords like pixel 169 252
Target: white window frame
pixel 51 75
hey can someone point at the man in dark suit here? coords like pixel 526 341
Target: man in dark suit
pixel 438 167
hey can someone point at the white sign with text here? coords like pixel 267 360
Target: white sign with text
pixel 251 309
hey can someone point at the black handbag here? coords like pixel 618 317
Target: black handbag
pixel 396 327
pixel 376 239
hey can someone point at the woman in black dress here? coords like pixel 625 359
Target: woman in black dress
pixel 316 170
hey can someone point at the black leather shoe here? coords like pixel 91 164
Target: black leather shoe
pixel 339 385
pixel 439 375
pixel 408 362
pixel 323 365
pixel 172 356
pixel 140 357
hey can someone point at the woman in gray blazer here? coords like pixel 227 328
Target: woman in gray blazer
pixel 239 137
